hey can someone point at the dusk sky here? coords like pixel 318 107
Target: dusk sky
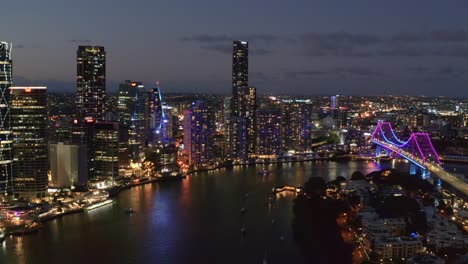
pixel 366 47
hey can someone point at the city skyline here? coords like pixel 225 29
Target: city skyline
pixel 396 48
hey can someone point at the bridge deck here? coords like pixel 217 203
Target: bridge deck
pixel 434 168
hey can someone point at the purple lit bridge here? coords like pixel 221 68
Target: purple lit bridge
pixel 418 150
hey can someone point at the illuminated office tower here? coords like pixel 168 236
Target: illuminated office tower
pixel 156 110
pixel 168 122
pixel 106 150
pixel 249 114
pixel 334 102
pixel 6 80
pixel 132 109
pixel 29 128
pixel 91 82
pixel 161 116
pixel 199 130
pixel 268 132
pixel 238 137
pixel 240 73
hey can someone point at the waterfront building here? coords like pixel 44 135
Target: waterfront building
pixel 396 248
pixel 68 165
pixel 238 137
pixel 106 150
pixel 29 127
pixel 268 132
pixel 132 108
pixel 6 80
pixel 297 124
pixel 164 158
pixel 244 98
pixel 91 82
pixel 199 129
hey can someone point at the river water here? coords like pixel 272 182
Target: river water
pixel 196 220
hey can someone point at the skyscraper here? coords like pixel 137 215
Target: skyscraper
pixel 238 137
pixel 268 132
pixel 243 102
pixel 132 114
pixel 106 150
pixel 199 130
pixel 91 82
pixel 297 123
pixel 29 128
pixel 334 102
pixel 160 121
pixel 240 72
pixel 6 80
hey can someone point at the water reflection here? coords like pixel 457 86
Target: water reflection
pixel 197 220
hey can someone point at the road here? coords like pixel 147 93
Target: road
pixel 435 169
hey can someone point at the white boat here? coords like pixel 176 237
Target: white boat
pixel 97 205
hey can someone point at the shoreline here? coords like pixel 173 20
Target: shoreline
pixel 114 191
pixel 341 158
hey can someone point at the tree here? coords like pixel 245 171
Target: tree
pixel 357 175
pixel 315 186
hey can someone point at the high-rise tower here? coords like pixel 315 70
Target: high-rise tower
pixel 240 72
pixel 132 114
pixel 243 102
pixel 6 80
pixel 91 82
pixel 29 128
pixel 199 130
pixel 159 123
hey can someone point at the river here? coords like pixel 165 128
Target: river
pixel 196 220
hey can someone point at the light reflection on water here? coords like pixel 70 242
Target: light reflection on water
pixel 193 221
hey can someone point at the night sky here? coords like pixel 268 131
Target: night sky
pixel 365 47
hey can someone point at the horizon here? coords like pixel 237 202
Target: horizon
pixel 415 49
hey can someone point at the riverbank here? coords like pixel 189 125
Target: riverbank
pixel 24 229
pixel 255 163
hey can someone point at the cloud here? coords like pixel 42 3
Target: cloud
pixel 227 49
pixel 259 76
pixel 337 44
pixel 446 36
pixel 449 36
pixel 441 43
pixel 205 38
pixel 218 48
pixel 260 51
pixel 80 41
pixel 341 72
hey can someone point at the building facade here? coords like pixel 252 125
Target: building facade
pixel 106 150
pixel 240 72
pixel 132 108
pixel 68 165
pixel 91 82
pixel 238 137
pixel 199 130
pixel 297 124
pixel 6 80
pixel 268 132
pixel 29 128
